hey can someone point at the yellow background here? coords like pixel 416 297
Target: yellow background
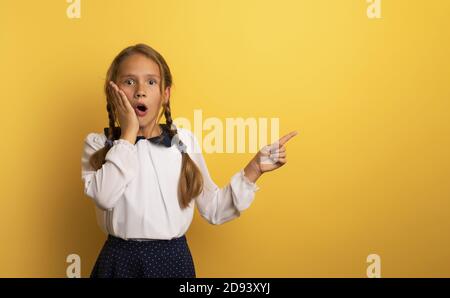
pixel 368 173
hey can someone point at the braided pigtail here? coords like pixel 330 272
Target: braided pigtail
pixel 112 133
pixel 191 180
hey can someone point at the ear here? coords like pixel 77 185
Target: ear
pixel 166 95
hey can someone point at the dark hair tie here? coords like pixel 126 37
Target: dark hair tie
pixel 182 147
pixel 109 142
pixel 179 144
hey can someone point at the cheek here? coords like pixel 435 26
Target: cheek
pixel 128 92
pixel 154 106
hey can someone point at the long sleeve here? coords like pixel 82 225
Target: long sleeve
pixel 219 205
pixel 106 185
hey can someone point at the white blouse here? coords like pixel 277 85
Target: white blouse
pixel 136 189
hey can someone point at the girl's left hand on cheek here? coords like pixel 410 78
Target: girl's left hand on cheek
pixel 273 156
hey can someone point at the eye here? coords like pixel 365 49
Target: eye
pixel 129 81
pixel 152 82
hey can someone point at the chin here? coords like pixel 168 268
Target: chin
pixel 143 122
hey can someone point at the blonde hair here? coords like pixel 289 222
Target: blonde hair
pixel 191 181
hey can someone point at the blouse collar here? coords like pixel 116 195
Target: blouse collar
pixel 163 139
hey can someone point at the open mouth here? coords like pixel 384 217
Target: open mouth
pixel 141 107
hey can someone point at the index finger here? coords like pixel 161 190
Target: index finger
pixel 287 137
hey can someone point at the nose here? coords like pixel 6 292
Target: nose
pixel 140 94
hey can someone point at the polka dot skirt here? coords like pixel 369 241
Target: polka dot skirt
pixel 156 258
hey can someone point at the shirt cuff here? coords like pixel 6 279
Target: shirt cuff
pixel 247 181
pixel 125 143
pixel 243 191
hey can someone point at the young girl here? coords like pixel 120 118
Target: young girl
pixel 145 176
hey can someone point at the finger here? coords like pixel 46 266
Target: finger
pixel 122 98
pixel 112 98
pixel 118 98
pixel 111 87
pixel 125 101
pixel 287 137
pixel 282 161
pixel 282 149
pixel 278 155
pixel 265 150
pixel 110 92
pixel 274 147
pixel 114 85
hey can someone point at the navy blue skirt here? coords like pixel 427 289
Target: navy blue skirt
pixel 156 258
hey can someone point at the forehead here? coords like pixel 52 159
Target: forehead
pixel 138 65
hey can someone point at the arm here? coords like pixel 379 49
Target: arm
pixel 220 205
pixel 106 185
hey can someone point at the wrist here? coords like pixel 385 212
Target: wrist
pixel 129 138
pixel 252 171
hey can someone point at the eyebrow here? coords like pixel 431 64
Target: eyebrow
pixel 132 75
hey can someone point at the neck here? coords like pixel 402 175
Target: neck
pixel 150 131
